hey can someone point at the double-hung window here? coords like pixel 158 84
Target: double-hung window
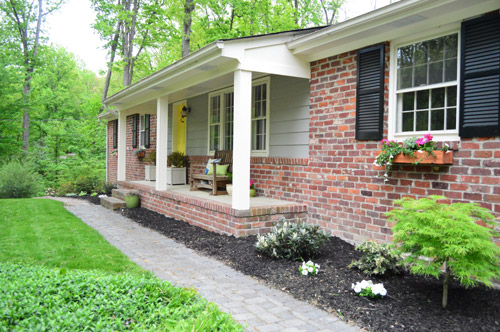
pixel 426 87
pixel 221 118
pixel 144 131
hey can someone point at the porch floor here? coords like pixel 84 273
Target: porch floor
pixel 258 201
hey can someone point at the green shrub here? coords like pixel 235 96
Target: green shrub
pixel 78 178
pixel 41 299
pixel 18 180
pixel 66 188
pixel 436 235
pixel 377 258
pixel 292 241
pixel 107 188
pixel 177 159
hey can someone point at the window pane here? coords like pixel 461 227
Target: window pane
pixel 451 118
pixel 408 121
pixel 450 46
pixel 450 70
pixel 408 101
pixel 423 99
pixel 437 119
pixel 405 56
pixel 420 75
pixel 437 98
pixel 436 51
pixel 451 99
pixel 436 72
pixel 405 78
pixel 228 126
pixel 422 120
pixel 421 53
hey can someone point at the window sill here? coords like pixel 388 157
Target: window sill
pixel 436 137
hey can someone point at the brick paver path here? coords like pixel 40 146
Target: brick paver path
pixel 251 303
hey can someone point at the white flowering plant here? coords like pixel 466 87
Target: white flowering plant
pixel 369 289
pixel 309 268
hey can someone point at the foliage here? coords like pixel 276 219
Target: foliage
pixel 410 146
pixel 38 298
pixel 42 231
pixel 18 180
pixel 367 288
pixel 292 241
pixel 177 159
pixel 435 234
pixel 150 157
pixel 309 268
pixel 377 258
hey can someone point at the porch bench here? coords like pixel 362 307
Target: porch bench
pixel 214 181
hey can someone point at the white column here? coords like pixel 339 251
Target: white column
pixel 161 142
pixel 242 139
pixel 122 147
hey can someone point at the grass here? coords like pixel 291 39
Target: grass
pixel 42 232
pixel 56 273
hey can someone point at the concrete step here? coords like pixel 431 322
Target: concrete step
pixel 120 193
pixel 112 203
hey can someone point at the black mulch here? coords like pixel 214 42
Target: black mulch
pixel 413 303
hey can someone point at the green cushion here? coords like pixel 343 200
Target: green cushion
pixel 221 170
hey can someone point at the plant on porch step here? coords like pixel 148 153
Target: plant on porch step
pixel 437 236
pixel 410 146
pixel 177 159
pixel 292 241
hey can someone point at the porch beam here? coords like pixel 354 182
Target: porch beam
pixel 161 142
pixel 121 172
pixel 242 139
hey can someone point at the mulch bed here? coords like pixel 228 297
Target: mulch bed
pixel 413 303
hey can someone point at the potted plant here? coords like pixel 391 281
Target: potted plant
pixel 132 199
pixel 139 153
pixel 414 151
pixel 176 171
pixel 150 167
pixel 253 191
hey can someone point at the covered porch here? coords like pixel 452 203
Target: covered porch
pixel 215 213
pixel 219 97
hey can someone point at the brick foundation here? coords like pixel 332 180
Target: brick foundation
pixel 214 216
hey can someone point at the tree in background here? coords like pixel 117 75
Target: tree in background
pixel 26 18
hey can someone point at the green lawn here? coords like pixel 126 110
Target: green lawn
pixel 45 283
pixel 42 231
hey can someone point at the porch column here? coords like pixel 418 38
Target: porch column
pixel 242 139
pixel 121 171
pixel 161 142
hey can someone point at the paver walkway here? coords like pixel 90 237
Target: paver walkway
pixel 250 302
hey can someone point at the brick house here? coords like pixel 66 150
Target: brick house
pixel 304 112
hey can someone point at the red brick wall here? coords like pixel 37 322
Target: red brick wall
pixel 112 159
pixel 135 167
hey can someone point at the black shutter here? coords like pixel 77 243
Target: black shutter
pixel 370 93
pixel 146 131
pixel 115 134
pixel 480 77
pixel 135 124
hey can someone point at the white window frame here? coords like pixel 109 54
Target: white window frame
pixel 142 130
pixel 442 135
pixel 254 153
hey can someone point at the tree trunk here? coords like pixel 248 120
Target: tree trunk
pixel 445 284
pixel 114 45
pixel 186 30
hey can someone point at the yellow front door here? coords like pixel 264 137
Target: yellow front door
pixel 179 128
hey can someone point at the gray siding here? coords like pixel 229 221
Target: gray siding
pixel 197 126
pixel 289 120
pixel 289 117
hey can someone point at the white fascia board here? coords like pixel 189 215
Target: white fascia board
pixel 275 59
pixel 379 26
pixel 194 60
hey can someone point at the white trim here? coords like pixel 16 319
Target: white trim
pixel 441 135
pixel 255 153
pixel 142 121
pixel 161 142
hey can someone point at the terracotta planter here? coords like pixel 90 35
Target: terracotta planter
pixel 140 154
pixel 441 158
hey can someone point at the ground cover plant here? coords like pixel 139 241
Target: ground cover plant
pixel 37 298
pixel 412 302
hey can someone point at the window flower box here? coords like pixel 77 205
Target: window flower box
pixel 439 158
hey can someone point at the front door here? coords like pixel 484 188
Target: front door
pixel 179 128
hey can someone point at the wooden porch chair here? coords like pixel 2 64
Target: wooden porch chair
pixel 214 181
